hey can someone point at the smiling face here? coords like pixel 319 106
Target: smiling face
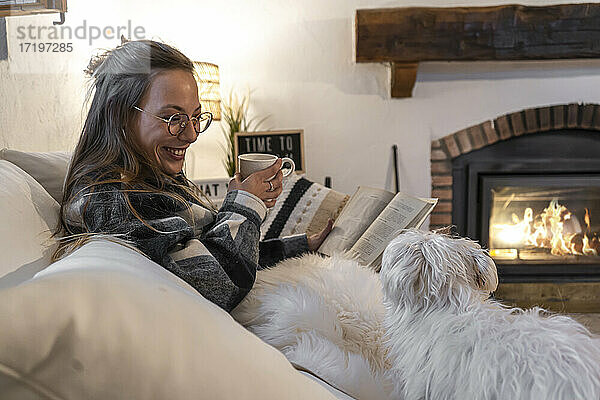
pixel 170 92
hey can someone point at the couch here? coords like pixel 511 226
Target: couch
pixel 106 322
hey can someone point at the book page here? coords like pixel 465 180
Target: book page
pixel 402 212
pixel 360 212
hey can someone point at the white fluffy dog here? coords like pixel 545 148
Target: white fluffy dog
pixel 446 341
pixel 422 329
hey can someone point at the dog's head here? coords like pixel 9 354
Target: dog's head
pixel 424 268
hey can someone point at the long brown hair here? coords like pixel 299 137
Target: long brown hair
pixel 106 150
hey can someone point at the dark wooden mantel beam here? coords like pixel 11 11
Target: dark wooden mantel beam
pixel 407 36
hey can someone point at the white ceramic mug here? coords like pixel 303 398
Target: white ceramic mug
pixel 252 162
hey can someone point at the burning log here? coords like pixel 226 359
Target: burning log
pixel 576 243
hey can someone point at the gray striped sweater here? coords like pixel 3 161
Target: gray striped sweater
pixel 217 253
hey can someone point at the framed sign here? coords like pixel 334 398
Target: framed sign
pixel 23 7
pixel 214 189
pixel 288 143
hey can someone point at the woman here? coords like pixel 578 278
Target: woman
pixel 126 179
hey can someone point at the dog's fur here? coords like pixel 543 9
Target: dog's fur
pixel 324 314
pixel 423 329
pixel 449 342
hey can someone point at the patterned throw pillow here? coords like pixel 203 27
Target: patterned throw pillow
pixel 302 207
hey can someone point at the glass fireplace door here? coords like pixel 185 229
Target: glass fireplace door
pixel 541 219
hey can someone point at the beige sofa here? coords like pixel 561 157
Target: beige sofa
pixel 108 323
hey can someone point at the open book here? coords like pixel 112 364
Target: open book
pixel 371 219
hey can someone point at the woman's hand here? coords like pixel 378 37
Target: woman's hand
pixel 314 241
pixel 258 183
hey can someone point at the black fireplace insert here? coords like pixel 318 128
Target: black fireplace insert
pixel 534 202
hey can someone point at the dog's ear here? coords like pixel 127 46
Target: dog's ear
pixel 486 275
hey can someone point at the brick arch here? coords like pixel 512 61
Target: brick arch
pixel 529 121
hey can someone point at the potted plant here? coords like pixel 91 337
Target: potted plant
pixel 234 118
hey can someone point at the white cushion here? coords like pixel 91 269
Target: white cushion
pixel 28 216
pixel 49 169
pixel 105 322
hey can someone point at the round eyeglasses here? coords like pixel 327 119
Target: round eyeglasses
pixel 177 122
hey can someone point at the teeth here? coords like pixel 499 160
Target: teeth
pixel 177 152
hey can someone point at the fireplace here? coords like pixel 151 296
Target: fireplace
pixel 526 186
pixel 532 201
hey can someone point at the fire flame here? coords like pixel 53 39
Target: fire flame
pixel 555 229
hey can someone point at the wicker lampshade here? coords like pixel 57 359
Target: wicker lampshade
pixel 207 75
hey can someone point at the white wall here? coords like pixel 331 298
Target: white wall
pixel 298 58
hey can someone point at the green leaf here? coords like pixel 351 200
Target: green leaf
pixel 234 118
